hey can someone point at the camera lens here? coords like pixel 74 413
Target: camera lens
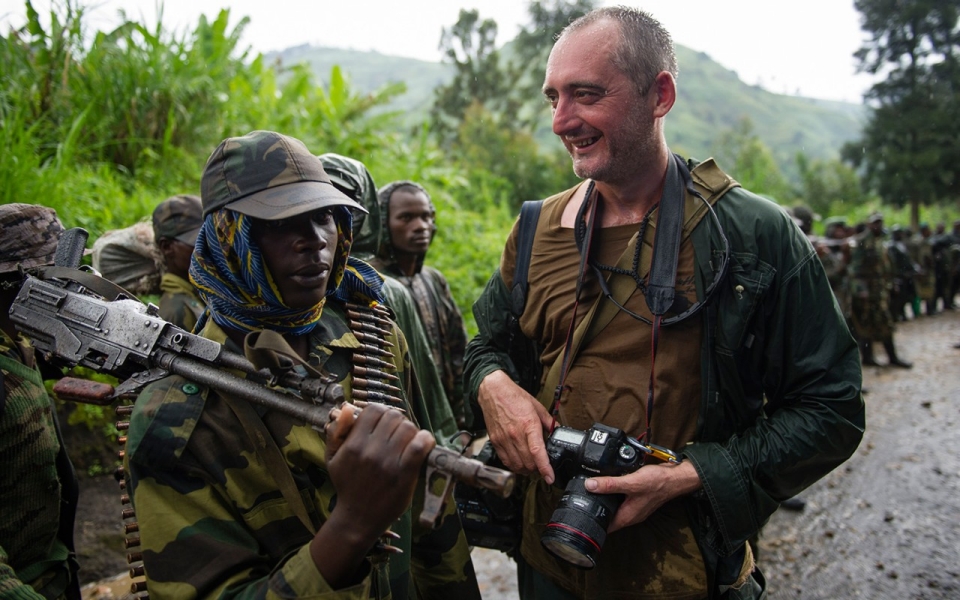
pixel 578 527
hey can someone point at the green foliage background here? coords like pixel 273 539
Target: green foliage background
pixel 103 125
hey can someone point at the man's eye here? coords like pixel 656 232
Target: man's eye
pixel 321 217
pixel 276 224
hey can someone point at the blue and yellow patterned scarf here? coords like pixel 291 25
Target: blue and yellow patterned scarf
pixel 234 282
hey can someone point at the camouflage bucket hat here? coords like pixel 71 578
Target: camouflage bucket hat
pixel 30 236
pixel 267 175
pixel 179 218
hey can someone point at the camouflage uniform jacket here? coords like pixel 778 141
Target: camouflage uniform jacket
pixel 34 556
pixel 213 521
pixel 179 303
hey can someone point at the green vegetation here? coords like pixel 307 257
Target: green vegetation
pixel 103 125
pixel 911 145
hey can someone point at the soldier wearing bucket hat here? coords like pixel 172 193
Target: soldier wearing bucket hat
pixel 176 225
pixel 274 253
pixel 38 488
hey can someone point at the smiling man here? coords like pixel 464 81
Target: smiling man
pixel 409 225
pixel 667 302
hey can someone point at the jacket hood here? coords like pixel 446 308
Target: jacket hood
pixel 352 177
pixel 385 254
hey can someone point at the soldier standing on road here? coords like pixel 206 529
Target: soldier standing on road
pixel 904 274
pixel 176 225
pixel 38 487
pixel 871 279
pixel 923 256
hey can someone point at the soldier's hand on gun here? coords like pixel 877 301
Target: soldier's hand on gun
pixel 515 422
pixel 374 460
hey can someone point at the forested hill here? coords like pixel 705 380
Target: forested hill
pixel 712 100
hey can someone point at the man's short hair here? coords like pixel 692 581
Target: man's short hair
pixel 645 48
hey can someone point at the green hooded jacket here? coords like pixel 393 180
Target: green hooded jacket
pixel 352 178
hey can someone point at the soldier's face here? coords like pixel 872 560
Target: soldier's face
pixel 412 221
pixel 176 256
pixel 299 253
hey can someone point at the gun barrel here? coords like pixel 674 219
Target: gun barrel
pixel 317 415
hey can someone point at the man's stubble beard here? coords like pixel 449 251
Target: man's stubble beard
pixel 625 157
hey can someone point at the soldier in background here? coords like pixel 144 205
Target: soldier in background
pixel 38 487
pixel 940 243
pixel 834 253
pixel 923 256
pixel 176 225
pixel 904 273
pixel 409 220
pixel 953 253
pixel 871 278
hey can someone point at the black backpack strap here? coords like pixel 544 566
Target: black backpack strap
pixel 529 216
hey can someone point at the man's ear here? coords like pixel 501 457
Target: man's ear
pixel 665 88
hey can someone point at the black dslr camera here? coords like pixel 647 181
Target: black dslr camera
pixel 489 520
pixel 578 527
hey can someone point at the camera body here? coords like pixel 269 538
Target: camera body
pixel 489 520
pixel 578 527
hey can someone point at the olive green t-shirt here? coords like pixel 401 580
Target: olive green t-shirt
pixel 607 383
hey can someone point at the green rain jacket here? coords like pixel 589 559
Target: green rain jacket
pixel 353 179
pixel 781 404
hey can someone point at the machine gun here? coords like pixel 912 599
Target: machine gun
pixel 75 318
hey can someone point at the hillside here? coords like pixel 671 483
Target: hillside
pixel 712 99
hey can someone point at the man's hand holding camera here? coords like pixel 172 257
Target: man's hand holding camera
pixel 646 490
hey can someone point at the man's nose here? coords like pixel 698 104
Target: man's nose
pixel 565 118
pixel 311 235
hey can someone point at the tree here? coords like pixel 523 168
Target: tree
pixel 532 46
pixel 911 145
pixel 470 46
pixel 748 160
pixel 828 186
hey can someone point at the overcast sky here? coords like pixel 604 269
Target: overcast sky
pixel 798 47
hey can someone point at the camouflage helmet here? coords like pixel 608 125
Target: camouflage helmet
pixel 267 175
pixel 178 218
pixel 30 236
pixel 875 217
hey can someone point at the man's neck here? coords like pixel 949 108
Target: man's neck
pixel 624 203
pixel 408 263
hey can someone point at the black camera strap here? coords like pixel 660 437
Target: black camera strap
pixel 659 289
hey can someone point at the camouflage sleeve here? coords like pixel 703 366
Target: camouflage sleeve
pixel 440 561
pixel 197 539
pixel 11 588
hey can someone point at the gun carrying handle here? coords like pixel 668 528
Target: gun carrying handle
pixel 70 248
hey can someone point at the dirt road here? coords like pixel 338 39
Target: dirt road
pixel 884 525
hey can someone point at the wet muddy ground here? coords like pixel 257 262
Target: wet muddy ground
pixel 886 524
